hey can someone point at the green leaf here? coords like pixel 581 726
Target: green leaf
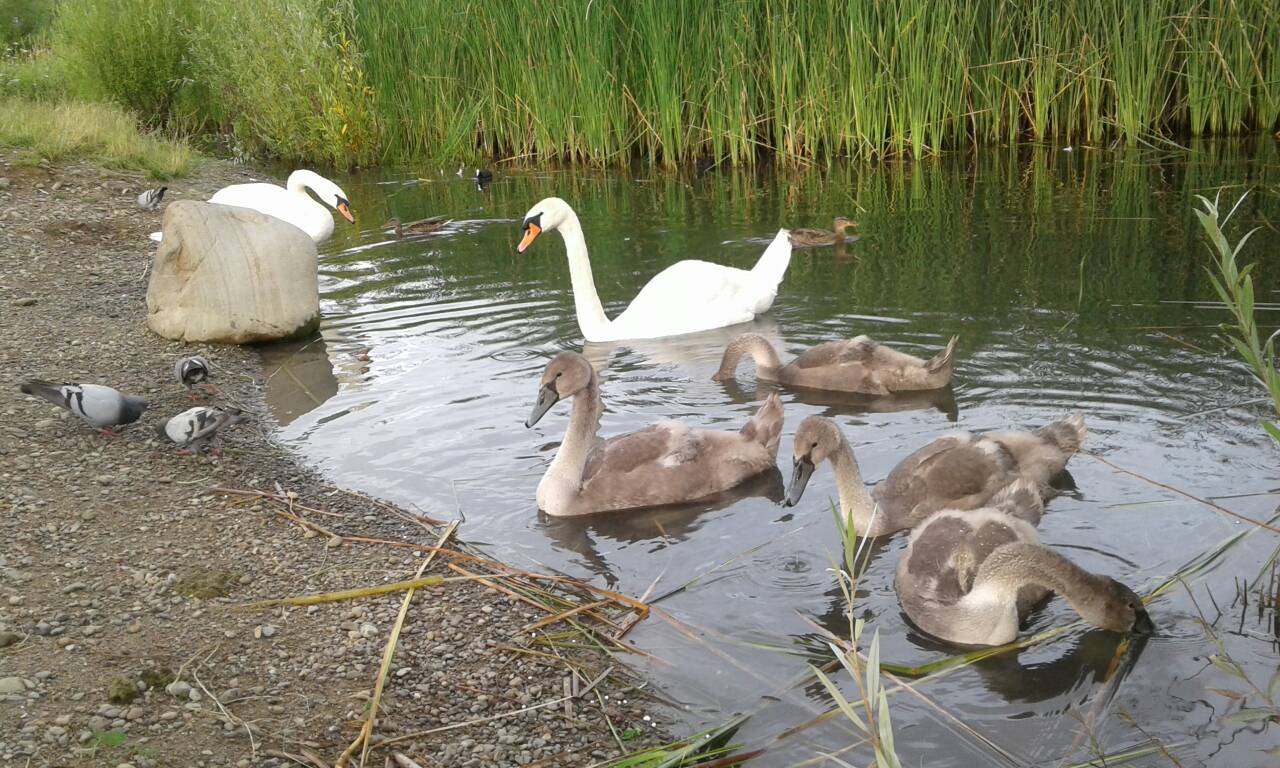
pixel 1251 715
pixel 845 707
pixel 1272 429
pixel 110 739
pixel 1227 665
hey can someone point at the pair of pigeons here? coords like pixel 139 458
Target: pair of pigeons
pixel 107 409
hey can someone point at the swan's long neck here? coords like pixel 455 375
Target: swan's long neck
pixel 592 320
pixel 773 264
pixel 1013 566
pixel 299 181
pixel 855 502
pixel 580 438
pixel 761 351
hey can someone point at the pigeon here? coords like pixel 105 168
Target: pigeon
pixel 150 200
pixel 195 427
pixel 190 371
pixel 100 407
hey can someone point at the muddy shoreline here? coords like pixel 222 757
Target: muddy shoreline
pixel 123 573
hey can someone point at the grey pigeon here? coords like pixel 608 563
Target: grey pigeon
pixel 150 200
pixel 195 427
pixel 100 407
pixel 190 371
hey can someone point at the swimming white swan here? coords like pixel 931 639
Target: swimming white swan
pixel 686 297
pixel 972 576
pixel 664 463
pixel 290 203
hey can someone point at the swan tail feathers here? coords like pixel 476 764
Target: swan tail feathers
pixel 772 266
pixel 1020 499
pixel 1066 434
pixel 941 365
pixel 765 426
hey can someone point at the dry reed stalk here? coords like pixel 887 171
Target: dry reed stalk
pixel 384 670
pixel 1182 493
pixel 354 594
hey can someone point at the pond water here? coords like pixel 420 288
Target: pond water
pixel 1075 281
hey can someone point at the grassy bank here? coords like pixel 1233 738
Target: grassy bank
pixel 358 81
pixel 100 132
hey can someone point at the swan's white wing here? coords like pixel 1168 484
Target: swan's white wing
pixel 297 209
pixel 687 297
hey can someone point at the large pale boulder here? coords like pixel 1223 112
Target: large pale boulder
pixel 231 275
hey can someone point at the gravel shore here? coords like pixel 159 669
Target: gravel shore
pixel 123 636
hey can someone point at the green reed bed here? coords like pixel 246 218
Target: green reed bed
pixel 667 82
pixel 607 81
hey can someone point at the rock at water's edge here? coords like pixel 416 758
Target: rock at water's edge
pixel 231 275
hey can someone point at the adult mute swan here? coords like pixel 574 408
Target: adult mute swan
pixel 686 297
pixel 290 203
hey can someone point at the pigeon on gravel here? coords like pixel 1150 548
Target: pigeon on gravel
pixel 150 200
pixel 100 407
pixel 190 371
pixel 195 427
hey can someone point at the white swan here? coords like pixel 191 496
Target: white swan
pixel 686 297
pixel 290 203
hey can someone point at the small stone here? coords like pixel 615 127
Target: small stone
pixel 25 301
pixel 9 638
pixel 177 688
pixel 75 587
pixel 91 630
pixel 103 479
pixel 10 685
pixel 368 630
pixel 4 182
pixel 334 542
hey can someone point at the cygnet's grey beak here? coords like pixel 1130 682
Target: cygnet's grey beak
pixel 799 479
pixel 547 397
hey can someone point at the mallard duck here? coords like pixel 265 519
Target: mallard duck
pixel 665 463
pixel 855 365
pixel 686 297
pixel 816 238
pixel 972 576
pixel 419 227
pixel 960 471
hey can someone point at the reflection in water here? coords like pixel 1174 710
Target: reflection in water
pixel 301 374
pixel 663 526
pixel 1059 271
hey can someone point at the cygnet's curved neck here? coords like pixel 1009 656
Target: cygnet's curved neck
pixel 1014 566
pixel 580 437
pixel 761 351
pixel 855 502
pixel 592 320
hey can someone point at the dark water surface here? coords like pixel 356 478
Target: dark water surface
pixel 1075 282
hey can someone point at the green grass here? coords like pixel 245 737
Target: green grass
pixel 668 81
pixel 99 132
pixel 1234 285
